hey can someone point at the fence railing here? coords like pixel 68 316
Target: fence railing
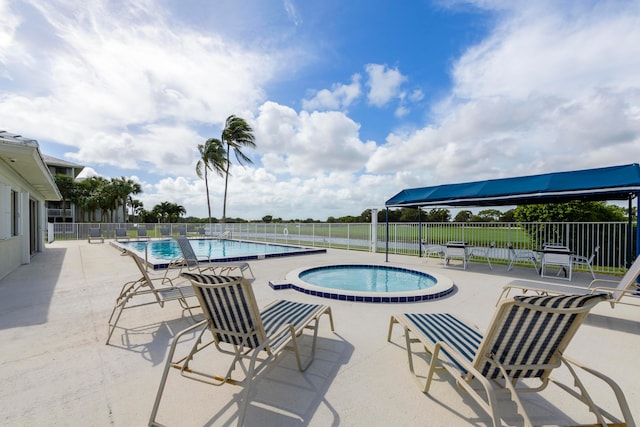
pixel 402 238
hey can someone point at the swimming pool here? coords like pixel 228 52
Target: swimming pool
pixel 158 253
pixel 367 283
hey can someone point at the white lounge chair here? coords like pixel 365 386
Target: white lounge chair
pixel 239 329
pixel 505 359
pixel 143 291
pixel 627 288
pixel 189 261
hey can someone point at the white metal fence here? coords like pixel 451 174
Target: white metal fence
pixel 403 238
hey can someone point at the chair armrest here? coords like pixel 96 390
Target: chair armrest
pixel 604 281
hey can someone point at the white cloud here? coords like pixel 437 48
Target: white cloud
pixel 383 84
pixel 549 90
pixel 292 13
pixel 554 49
pixel 339 97
pixel 164 150
pixel 116 74
pixel 311 143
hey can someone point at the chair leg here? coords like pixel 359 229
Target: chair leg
pixel 393 321
pixel 165 373
pixel 112 327
pixel 296 349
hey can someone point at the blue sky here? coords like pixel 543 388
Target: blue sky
pixel 350 101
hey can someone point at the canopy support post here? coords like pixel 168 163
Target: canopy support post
pixel 419 232
pixel 386 251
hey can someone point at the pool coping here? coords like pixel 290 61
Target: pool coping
pixel 443 287
pixel 160 264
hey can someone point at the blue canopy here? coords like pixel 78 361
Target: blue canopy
pixel 610 183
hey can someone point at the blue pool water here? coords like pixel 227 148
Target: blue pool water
pixel 158 253
pixel 367 278
pixel 367 283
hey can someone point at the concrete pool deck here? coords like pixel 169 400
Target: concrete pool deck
pixel 56 370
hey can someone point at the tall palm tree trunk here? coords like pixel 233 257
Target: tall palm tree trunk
pixel 226 182
pixel 206 186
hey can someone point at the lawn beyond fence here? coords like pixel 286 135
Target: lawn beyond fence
pixel 403 238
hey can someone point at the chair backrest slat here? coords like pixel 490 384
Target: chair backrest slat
pixel 529 333
pixel 230 307
pixel 188 254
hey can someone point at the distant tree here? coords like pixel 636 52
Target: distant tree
pixel 121 189
pixel 136 208
pixel 213 158
pixel 508 216
pixel 88 196
pixel 365 216
pixel 489 215
pixel 463 216
pixel 409 214
pixel 176 211
pixel 439 215
pixel 394 215
pixel 68 191
pixel 162 210
pixel 236 134
pixel 148 217
pixel 267 218
pixel 574 211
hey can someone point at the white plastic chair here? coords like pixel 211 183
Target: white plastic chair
pixel 521 255
pixel 583 260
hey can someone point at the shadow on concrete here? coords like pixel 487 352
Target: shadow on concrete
pixel 26 292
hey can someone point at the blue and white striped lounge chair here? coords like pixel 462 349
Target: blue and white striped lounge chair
pixel 141 292
pixel 189 261
pixel 526 340
pixel 239 329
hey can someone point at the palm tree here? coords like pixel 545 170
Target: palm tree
pixel 176 211
pixel 122 189
pixel 90 195
pixel 162 210
pixel 136 207
pixel 212 157
pixel 236 134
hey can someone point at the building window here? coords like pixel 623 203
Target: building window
pixel 15 213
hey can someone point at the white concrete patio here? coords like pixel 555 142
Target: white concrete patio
pixel 56 370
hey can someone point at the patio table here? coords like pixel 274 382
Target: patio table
pixel 558 256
